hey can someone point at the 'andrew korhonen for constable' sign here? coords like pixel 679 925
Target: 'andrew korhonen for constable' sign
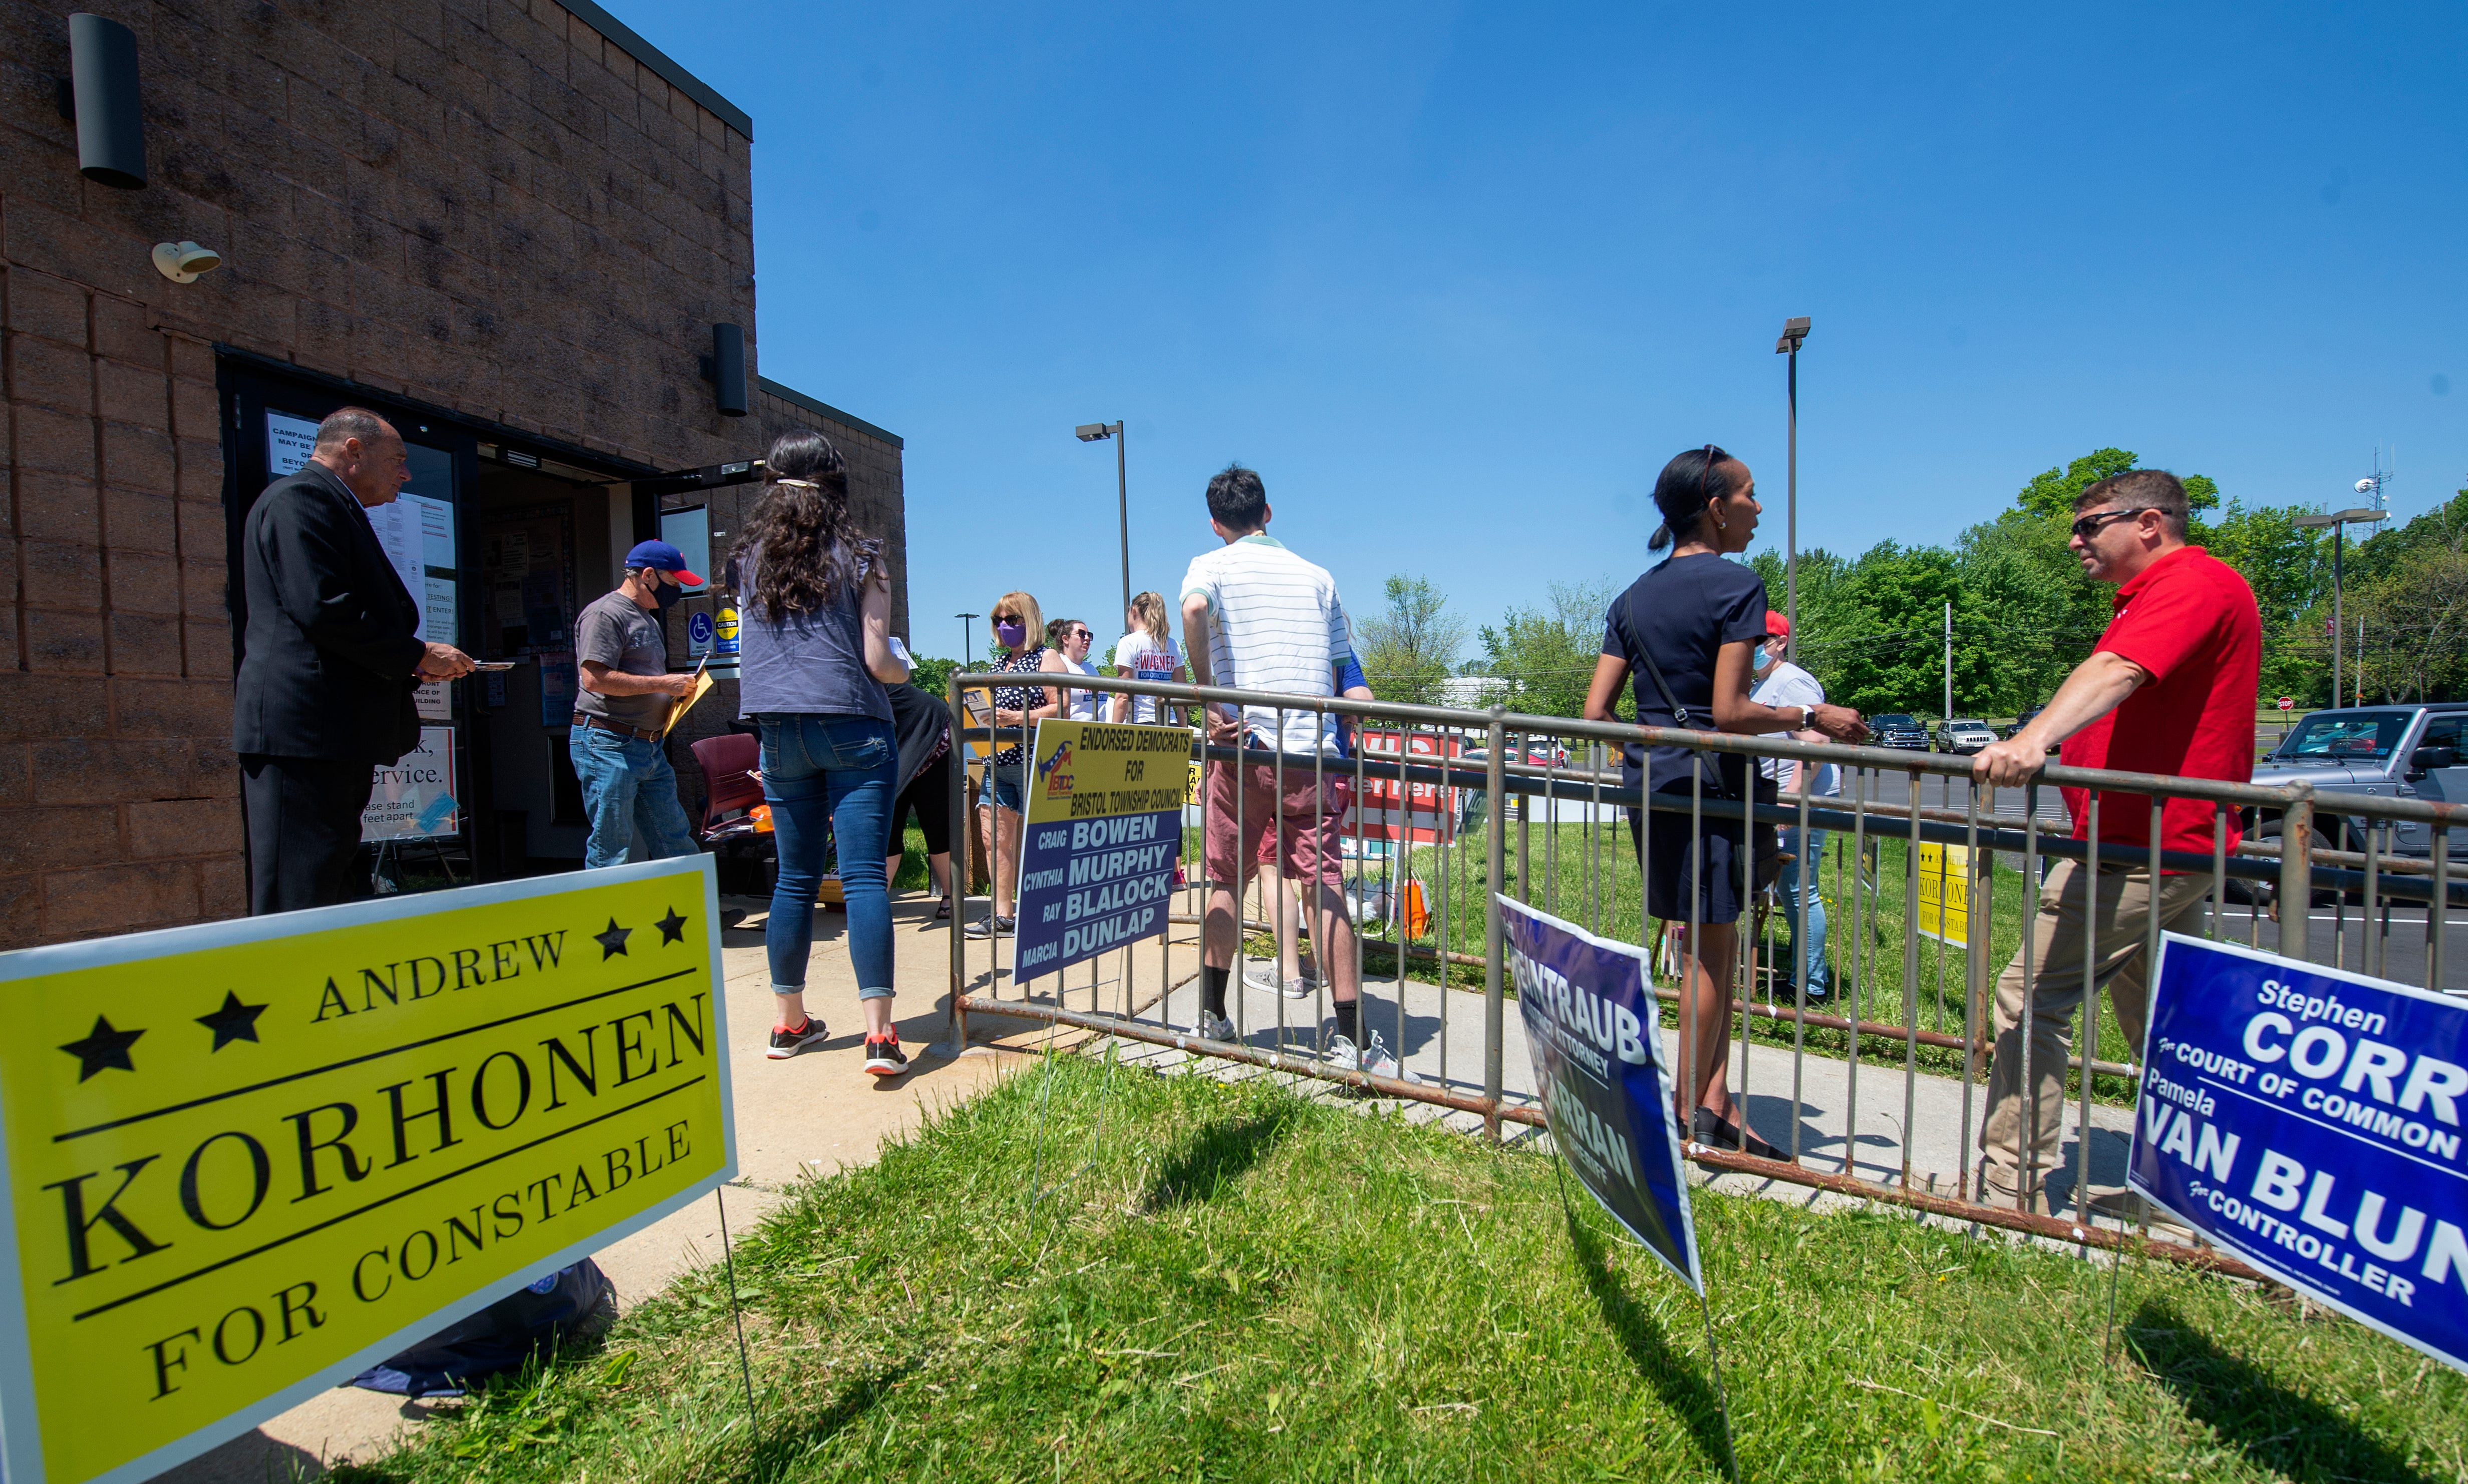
pixel 2310 1121
pixel 1592 1029
pixel 246 1159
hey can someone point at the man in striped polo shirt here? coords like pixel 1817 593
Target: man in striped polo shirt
pixel 1256 617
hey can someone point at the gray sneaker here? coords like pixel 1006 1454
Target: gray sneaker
pixel 1215 1027
pixel 1264 975
pixel 1376 1058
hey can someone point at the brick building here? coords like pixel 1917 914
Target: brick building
pixel 509 226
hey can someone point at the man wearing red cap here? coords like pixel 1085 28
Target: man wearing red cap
pixel 623 712
pixel 1781 683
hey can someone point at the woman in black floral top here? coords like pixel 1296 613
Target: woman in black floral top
pixel 1019 646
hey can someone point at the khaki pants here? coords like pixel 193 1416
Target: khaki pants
pixel 2122 923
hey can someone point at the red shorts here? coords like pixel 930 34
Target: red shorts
pixel 1307 822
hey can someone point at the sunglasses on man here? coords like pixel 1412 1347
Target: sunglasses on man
pixel 2088 526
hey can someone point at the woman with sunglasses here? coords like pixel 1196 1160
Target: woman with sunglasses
pixel 817 653
pixel 1686 635
pixel 1019 648
pixel 1072 638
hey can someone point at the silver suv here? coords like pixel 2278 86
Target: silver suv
pixel 2408 752
pixel 1963 736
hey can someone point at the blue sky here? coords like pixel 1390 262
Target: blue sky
pixel 1458 279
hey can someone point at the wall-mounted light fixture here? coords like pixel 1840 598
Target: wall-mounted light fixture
pixel 183 262
pixel 724 368
pixel 111 116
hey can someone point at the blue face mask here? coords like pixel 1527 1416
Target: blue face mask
pixel 1761 661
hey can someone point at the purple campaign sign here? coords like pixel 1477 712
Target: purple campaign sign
pixel 1597 1044
pixel 2311 1121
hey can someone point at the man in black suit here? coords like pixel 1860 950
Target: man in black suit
pixel 329 659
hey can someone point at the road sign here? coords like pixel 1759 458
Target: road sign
pixel 2288 703
pixel 246 1160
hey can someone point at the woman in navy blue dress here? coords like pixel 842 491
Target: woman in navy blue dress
pixel 1696 620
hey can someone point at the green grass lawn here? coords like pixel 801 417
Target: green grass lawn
pixel 1228 1282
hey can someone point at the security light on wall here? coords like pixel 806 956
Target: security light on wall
pixel 182 262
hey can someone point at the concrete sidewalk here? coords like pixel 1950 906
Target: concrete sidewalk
pixel 805 1118
pixel 1869 1117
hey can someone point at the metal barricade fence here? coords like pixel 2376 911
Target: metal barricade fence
pixel 1545 818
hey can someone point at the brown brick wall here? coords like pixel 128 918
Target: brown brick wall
pixel 479 204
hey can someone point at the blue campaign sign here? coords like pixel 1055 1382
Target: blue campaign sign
pixel 1100 843
pixel 1594 1033
pixel 2309 1121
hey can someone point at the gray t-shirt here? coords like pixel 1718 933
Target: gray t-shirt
pixel 617 631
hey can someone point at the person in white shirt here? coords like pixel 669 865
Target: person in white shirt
pixel 1145 652
pixel 1073 638
pixel 1781 683
pixel 1256 617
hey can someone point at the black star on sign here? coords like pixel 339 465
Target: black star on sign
pixel 613 942
pixel 234 1021
pixel 102 1047
pixel 673 927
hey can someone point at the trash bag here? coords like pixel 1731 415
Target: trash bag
pixel 576 1302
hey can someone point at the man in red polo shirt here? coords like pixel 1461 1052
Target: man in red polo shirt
pixel 2169 689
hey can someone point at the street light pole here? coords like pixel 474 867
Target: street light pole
pixel 968 639
pixel 2338 521
pixel 1089 433
pixel 1793 331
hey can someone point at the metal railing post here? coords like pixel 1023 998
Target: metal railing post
pixel 2295 872
pixel 959 872
pixel 1494 1004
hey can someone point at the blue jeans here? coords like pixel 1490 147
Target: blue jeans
pixel 1787 895
pixel 834 774
pixel 628 785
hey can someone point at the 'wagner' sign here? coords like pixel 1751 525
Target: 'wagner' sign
pixel 245 1160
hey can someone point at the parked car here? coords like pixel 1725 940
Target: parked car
pixel 1965 737
pixel 2408 752
pixel 1897 730
pixel 2022 720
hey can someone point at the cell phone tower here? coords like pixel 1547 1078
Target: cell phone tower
pixel 2377 489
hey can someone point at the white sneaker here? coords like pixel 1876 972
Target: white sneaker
pixel 1215 1027
pixel 1264 975
pixel 1376 1058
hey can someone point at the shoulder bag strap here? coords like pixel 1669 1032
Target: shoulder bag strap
pixel 1679 712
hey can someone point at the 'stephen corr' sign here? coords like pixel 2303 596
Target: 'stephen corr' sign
pixel 246 1159
pixel 2311 1121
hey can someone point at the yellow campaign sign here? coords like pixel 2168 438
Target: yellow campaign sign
pixel 246 1160
pixel 1944 907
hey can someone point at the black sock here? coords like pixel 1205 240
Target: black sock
pixel 1212 989
pixel 1347 1018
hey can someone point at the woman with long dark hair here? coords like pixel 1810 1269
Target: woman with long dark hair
pixel 1686 634
pixel 815 653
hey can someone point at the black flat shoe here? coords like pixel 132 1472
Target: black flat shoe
pixel 1714 1132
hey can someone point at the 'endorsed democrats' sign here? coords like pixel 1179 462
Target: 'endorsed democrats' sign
pixel 244 1160
pixel 1593 1027
pixel 1098 846
pixel 2310 1121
